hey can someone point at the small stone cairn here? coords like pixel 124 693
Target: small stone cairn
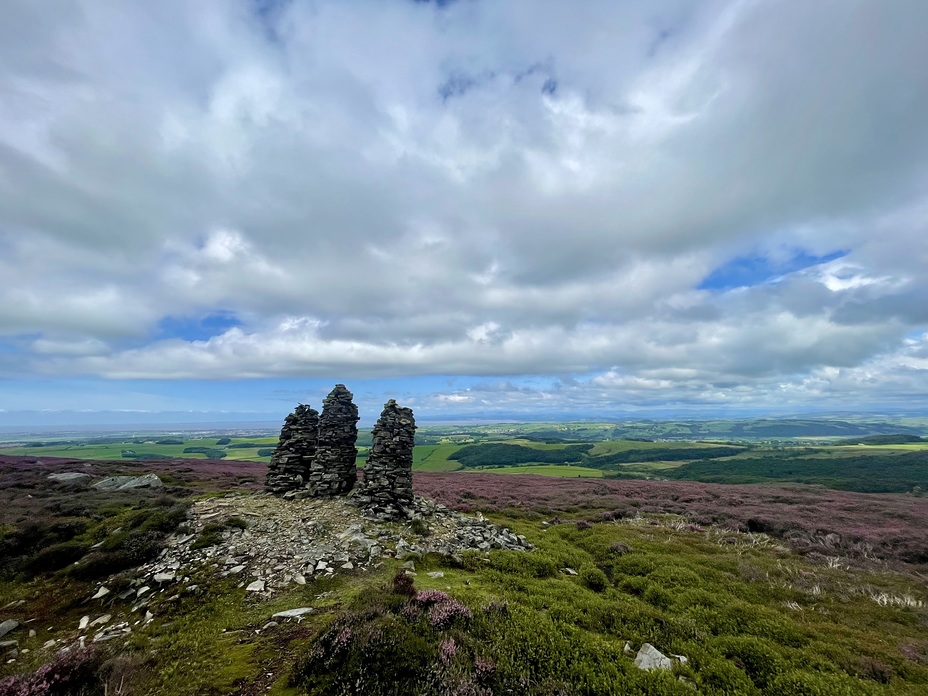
pixel 334 468
pixel 290 463
pixel 387 489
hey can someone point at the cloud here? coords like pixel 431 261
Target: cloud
pixel 469 188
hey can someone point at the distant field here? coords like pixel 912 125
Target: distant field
pixel 857 449
pixel 613 446
pixel 890 467
pixel 549 470
pixel 434 458
pixel 148 447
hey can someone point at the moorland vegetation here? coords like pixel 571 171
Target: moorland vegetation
pixel 765 589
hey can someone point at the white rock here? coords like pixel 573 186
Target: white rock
pixel 142 590
pixel 256 586
pixel 236 570
pixel 436 574
pixel 293 613
pixel 102 592
pixel 568 571
pixel 299 579
pixel 70 477
pixel 49 644
pixel 650 657
pixel 101 620
pixel 164 577
pixel 85 620
pixel 347 565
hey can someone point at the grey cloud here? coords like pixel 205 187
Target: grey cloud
pixel 304 172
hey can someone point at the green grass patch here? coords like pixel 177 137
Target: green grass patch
pixel 434 458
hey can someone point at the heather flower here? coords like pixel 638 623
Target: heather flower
pixel 427 597
pixel 412 611
pixel 343 639
pixel 483 667
pixel 443 614
pixel 447 650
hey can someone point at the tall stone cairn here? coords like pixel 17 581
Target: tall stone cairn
pixel 291 460
pixel 334 468
pixel 387 488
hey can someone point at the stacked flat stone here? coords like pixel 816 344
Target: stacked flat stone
pixel 334 468
pixel 387 489
pixel 291 460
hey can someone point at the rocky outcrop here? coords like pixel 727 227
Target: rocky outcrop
pixel 387 489
pixel 334 467
pixel 74 479
pixel 126 483
pixel 286 542
pixel 290 464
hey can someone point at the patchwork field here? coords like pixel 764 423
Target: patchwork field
pixel 882 462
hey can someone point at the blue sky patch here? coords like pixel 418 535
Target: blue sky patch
pixel 196 328
pixel 747 271
pixel 455 86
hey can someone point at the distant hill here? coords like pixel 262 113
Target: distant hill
pixel 761 429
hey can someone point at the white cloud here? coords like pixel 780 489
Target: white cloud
pixel 492 188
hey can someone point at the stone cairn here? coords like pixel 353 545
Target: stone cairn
pixel 387 488
pixel 290 462
pixel 334 468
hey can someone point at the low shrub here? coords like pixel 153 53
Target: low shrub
pixel 759 659
pixel 593 578
pixel 210 535
pixel 70 672
pixel 55 557
pixel 419 527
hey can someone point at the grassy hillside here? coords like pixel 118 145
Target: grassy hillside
pixel 764 590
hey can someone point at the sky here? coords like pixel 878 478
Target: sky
pixel 215 210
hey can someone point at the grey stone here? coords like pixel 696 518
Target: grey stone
pixel 146 481
pixel 102 592
pixel 71 478
pixel 256 586
pixel 112 483
pixel 650 657
pixel 293 613
pixel 125 483
pixel 8 626
pixel 101 620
